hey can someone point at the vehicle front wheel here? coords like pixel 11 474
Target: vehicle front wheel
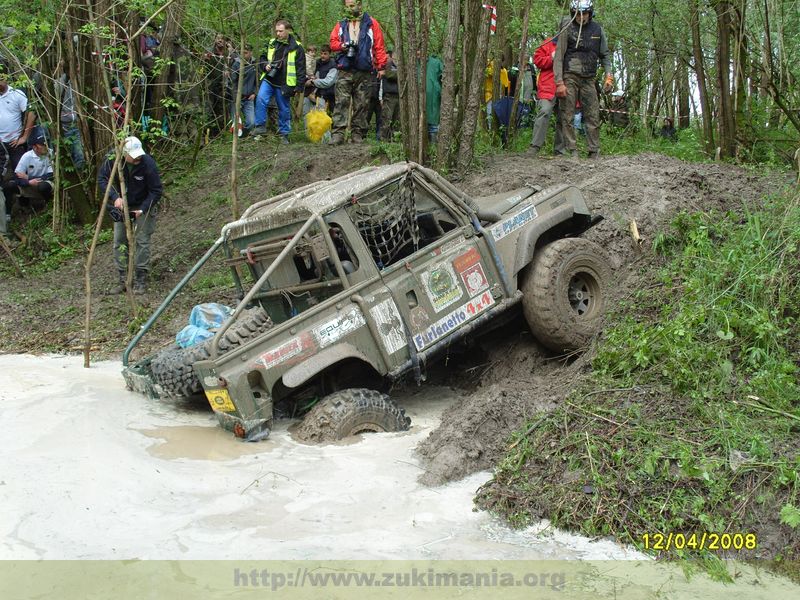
pixel 564 293
pixel 349 412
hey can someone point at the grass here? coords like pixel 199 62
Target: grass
pixel 690 420
pixel 44 251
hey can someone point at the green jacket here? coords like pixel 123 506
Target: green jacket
pixel 433 90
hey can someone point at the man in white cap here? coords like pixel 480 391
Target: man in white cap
pixel 142 191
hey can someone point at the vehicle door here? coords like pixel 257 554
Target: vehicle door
pixel 441 276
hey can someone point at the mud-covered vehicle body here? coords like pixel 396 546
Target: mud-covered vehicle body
pixel 352 282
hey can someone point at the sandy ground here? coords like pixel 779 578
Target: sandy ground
pixel 102 473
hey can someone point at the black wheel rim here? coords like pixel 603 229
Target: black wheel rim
pixel 583 292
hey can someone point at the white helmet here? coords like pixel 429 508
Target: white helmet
pixel 582 6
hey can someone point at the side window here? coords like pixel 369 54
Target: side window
pixel 398 219
pixel 304 278
pixel 344 250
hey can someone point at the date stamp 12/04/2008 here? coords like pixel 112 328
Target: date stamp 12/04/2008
pixel 713 542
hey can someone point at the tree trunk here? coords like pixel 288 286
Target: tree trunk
pixel 683 94
pixel 422 41
pixel 400 61
pixel 521 62
pixel 700 71
pixel 727 116
pixel 161 83
pixel 474 99
pixel 447 125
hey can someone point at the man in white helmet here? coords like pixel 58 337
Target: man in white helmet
pixel 581 46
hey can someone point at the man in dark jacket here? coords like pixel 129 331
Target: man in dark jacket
pixel 142 192
pixel 249 87
pixel 283 74
pixel 216 59
pixel 358 39
pixel 580 47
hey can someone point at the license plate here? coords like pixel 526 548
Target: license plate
pixel 220 400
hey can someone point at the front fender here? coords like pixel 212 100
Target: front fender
pixel 556 205
pixel 307 369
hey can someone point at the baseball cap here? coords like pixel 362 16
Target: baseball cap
pixel 37 137
pixel 133 147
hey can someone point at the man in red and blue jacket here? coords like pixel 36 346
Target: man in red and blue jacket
pixel 547 101
pixel 358 40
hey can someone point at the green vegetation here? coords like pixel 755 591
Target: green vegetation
pixel 42 250
pixel 690 421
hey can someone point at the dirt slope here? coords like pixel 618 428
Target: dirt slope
pixel 519 378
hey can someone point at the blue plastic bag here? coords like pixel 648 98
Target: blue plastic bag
pixel 204 320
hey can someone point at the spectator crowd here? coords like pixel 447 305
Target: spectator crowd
pixel 346 83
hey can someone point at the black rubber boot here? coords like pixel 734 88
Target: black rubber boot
pixel 121 286
pixel 140 282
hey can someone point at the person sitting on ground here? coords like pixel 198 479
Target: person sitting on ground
pixel 619 110
pixel 34 172
pixel 668 130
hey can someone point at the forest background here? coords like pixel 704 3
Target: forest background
pixel 723 70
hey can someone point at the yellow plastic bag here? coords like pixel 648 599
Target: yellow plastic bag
pixel 318 123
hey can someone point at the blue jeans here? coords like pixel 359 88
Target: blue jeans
pixel 248 114
pixel 265 93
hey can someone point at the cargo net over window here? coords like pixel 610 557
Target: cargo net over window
pixel 387 221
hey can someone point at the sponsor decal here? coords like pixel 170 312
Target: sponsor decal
pixel 441 286
pixel 448 246
pixel 332 331
pixel 474 280
pixel 390 325
pixel 294 347
pixel 453 321
pixel 466 260
pixel 514 222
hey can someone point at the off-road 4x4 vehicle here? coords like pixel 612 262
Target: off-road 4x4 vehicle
pixel 365 278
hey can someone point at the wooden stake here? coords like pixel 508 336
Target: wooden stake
pixel 637 240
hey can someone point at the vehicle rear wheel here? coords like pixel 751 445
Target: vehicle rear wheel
pixel 349 412
pixel 172 367
pixel 564 293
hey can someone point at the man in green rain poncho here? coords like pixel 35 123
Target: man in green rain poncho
pixel 433 95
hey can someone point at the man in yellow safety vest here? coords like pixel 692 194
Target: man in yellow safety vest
pixel 283 74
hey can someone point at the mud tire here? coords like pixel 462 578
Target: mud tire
pixel 172 367
pixel 349 412
pixel 564 293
